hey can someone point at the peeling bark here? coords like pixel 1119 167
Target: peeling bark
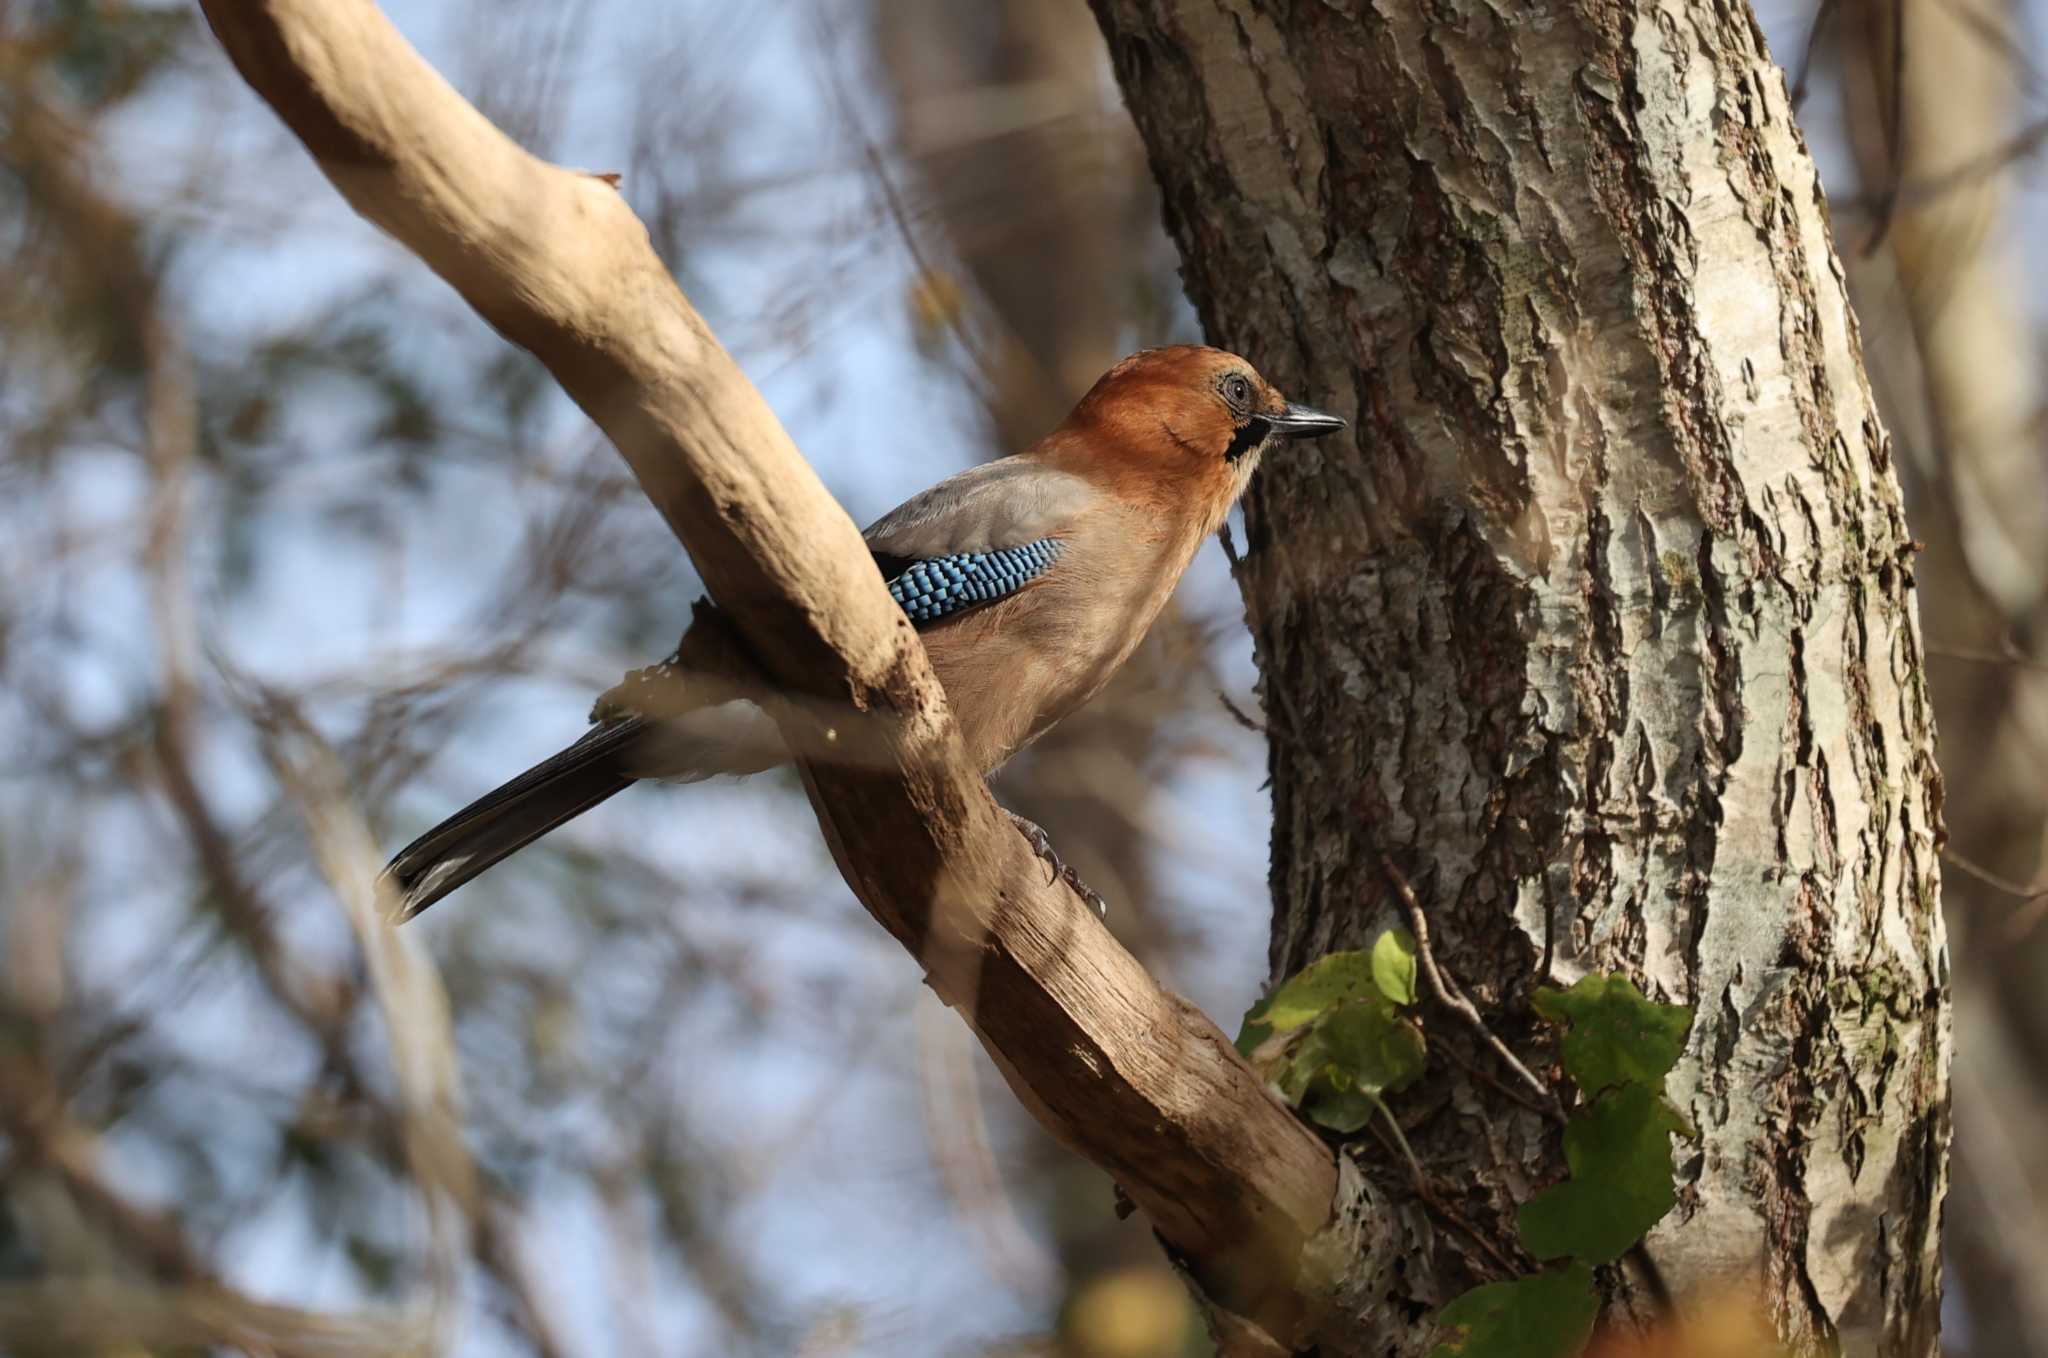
pixel 1604 624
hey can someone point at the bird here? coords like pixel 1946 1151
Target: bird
pixel 1030 580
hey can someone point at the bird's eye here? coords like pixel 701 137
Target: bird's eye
pixel 1237 391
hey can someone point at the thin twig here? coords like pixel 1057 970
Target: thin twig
pixel 1242 717
pixel 1913 192
pixel 1506 1091
pixel 2033 896
pixel 1454 999
pixel 1428 1196
pixel 1230 553
pixel 1267 728
pixel 1892 124
pixel 1401 1140
pixel 2007 653
pixel 1446 991
pixel 2028 891
pixel 985 364
pixel 1821 16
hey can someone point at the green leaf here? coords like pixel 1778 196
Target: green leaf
pixel 1549 1315
pixel 1617 1037
pixel 1304 1056
pixel 1335 1067
pixel 1372 1045
pixel 1619 1150
pixel 1393 965
pixel 1334 1103
pixel 1309 993
pixel 1340 1065
pixel 1252 1036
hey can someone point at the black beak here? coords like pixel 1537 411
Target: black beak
pixel 1303 422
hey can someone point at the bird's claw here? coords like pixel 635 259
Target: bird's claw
pixel 1041 845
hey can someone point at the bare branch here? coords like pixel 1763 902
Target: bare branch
pixel 2033 896
pixel 1129 1075
pixel 85 1317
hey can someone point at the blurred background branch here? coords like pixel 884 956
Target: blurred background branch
pixel 1940 105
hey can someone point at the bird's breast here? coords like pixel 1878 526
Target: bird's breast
pixel 1015 668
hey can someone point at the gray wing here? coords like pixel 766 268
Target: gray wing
pixel 976 537
pixel 1000 504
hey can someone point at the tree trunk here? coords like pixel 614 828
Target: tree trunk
pixel 1603 625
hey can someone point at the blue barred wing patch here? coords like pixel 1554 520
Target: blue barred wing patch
pixel 939 586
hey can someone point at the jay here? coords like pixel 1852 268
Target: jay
pixel 1031 579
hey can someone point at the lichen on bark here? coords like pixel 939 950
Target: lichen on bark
pixel 1603 624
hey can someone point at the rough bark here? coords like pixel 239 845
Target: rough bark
pixel 1127 1074
pixel 1603 626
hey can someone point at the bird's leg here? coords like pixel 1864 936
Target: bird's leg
pixel 1041 844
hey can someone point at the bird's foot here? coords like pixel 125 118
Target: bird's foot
pixel 1041 845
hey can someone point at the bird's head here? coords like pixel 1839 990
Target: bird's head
pixel 1184 426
